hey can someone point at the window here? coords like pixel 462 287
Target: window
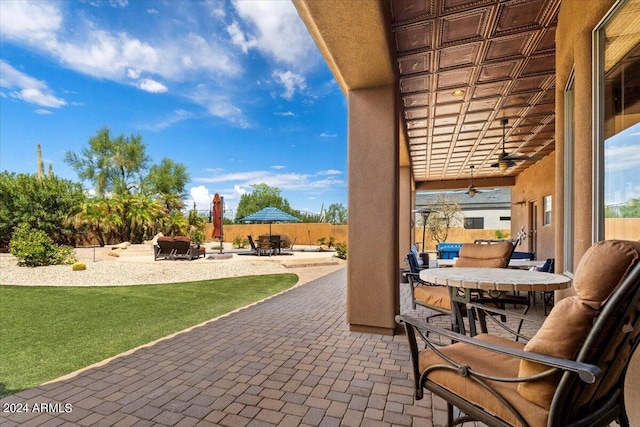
pixel 617 123
pixel 547 210
pixel 474 223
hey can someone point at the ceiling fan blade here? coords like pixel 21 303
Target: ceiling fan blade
pixel 517 158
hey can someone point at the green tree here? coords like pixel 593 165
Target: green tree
pixel 445 214
pixel 135 200
pixel 168 181
pixel 44 203
pixel 631 209
pixel 115 165
pixel 336 214
pixel 261 197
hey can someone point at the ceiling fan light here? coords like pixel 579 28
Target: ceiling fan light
pixel 472 192
pixel 503 165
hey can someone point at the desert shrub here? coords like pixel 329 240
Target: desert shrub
pixel 341 250
pixel 79 266
pixel 34 248
pixel 240 242
pixel 45 203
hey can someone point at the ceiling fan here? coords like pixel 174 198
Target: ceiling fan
pixel 506 160
pixel 472 190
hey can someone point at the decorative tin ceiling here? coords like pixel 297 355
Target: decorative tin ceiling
pixel 501 56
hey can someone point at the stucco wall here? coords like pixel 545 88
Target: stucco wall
pixel 576 21
pixel 531 187
pixel 306 233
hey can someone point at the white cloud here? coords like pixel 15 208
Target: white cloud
pixel 150 85
pixel 622 158
pixel 201 196
pixel 177 116
pixel 328 135
pixel 219 105
pixel 27 88
pixel 291 82
pixel 330 172
pixel 152 11
pixel 43 111
pixel 25 21
pixel 116 55
pixel 133 74
pixel 279 31
pixel 284 181
pixel 285 114
pixel 239 38
pixel 277 167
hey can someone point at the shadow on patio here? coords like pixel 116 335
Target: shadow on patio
pixel 290 360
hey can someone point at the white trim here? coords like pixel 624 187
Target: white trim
pixel 569 104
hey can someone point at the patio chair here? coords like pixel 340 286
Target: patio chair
pixel 485 254
pixel 572 371
pixel 491 254
pixel 265 246
pixel 254 248
pixel 164 248
pixel 428 295
pixel 184 249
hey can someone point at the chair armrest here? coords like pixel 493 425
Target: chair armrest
pixel 587 372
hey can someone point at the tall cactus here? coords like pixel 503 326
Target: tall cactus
pixel 51 170
pixel 40 163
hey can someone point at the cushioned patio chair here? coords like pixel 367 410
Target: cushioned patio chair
pixel 491 254
pixel 570 374
pixel 495 255
pixel 164 248
pixel 428 295
pixel 184 249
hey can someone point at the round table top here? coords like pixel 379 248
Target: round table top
pixel 499 279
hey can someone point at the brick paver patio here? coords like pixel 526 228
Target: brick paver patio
pixel 288 361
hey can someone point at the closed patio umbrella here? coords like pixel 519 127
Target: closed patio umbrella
pixel 216 218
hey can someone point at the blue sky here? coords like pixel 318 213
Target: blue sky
pixel 235 90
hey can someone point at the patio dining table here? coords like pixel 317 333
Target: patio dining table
pixel 522 264
pixel 463 281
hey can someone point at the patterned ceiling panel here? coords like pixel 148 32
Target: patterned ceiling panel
pixel 464 65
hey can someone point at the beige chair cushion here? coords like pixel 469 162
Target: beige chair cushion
pixel 489 363
pixel 561 335
pixel 599 272
pixel 434 296
pixel 494 255
pixel 602 268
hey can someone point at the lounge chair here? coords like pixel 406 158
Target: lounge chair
pixel 571 372
pixel 254 248
pixel 164 248
pixel 184 249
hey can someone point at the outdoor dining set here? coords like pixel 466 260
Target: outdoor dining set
pixel 569 372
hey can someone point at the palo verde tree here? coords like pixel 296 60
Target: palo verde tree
pixel 138 198
pixel 336 214
pixel 114 165
pixel 445 214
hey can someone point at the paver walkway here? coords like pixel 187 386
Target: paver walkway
pixel 290 360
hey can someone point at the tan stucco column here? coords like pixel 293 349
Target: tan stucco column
pixel 405 231
pixel 372 274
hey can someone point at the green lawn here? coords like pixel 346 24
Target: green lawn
pixel 47 332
